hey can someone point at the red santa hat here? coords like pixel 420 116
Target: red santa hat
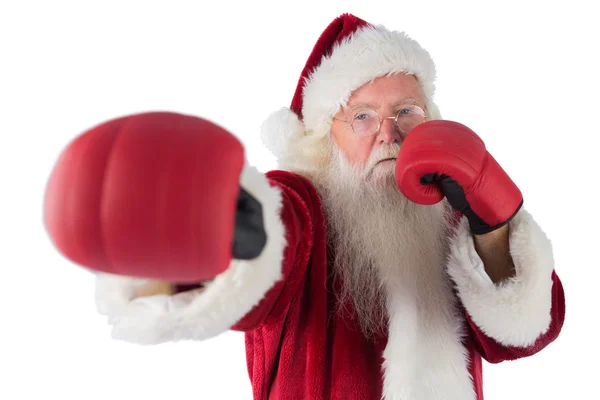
pixel 349 53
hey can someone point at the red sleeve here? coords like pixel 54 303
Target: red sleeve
pixel 495 352
pixel 299 206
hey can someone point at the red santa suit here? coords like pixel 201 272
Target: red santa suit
pixel 298 345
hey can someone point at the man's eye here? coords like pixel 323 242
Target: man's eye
pixel 405 111
pixel 361 117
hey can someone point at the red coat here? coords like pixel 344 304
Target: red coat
pixel 299 348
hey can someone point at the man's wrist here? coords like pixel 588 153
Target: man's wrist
pixel 494 250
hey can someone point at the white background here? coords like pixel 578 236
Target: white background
pixel 524 75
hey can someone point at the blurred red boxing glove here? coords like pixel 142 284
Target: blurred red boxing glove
pixel 153 195
pixel 445 158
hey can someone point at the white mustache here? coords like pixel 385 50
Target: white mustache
pixel 381 154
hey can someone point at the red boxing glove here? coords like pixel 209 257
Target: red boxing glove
pixel 152 195
pixel 444 158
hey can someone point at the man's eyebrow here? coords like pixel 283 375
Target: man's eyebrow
pixel 407 100
pixel 354 106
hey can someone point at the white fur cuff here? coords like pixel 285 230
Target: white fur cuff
pixel 203 313
pixel 517 311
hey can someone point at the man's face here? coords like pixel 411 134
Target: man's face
pixel 386 96
pixel 378 235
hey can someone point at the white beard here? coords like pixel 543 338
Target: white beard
pixel 390 258
pixel 377 235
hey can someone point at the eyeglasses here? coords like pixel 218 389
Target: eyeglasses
pixel 368 122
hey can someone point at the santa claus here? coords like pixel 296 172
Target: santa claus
pixel 386 257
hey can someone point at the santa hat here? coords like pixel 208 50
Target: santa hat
pixel 349 53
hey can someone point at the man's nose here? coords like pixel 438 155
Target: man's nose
pixel 389 132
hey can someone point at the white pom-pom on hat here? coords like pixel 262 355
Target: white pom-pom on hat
pixel 280 129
